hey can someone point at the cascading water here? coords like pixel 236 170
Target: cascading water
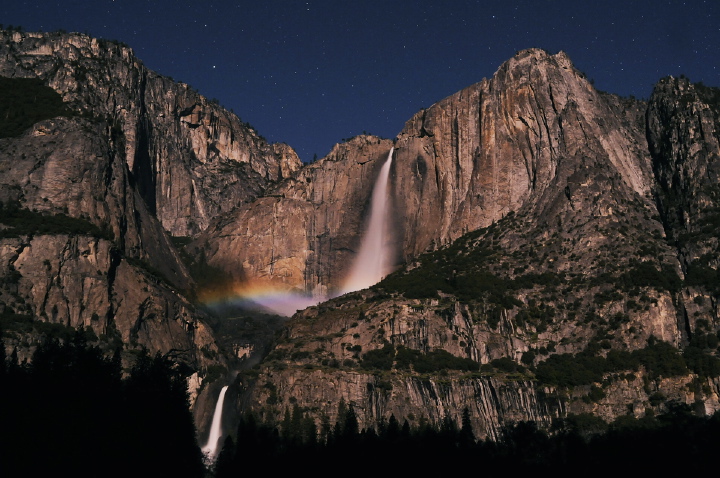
pixel 211 448
pixel 374 261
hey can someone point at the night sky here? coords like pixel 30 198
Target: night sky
pixel 310 73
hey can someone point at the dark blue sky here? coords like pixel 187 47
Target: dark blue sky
pixel 310 73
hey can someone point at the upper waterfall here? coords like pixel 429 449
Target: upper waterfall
pixel 374 260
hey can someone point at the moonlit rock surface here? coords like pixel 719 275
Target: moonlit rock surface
pixel 303 236
pixel 374 260
pixel 210 449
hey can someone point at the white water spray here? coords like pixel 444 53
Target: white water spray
pixel 374 261
pixel 211 448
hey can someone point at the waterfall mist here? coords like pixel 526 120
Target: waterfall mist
pixel 211 447
pixel 375 258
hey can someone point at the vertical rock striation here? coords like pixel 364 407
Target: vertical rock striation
pixel 189 158
pixel 493 147
pixel 140 157
pixel 683 125
pixel 566 223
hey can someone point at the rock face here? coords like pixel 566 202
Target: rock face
pixel 190 158
pixel 301 234
pixel 564 222
pixel 70 166
pixel 462 164
pixel 537 223
pixel 83 282
pixel 473 157
pixel 684 138
pixel 340 331
pixel 139 159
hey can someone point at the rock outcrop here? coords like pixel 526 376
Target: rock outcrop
pixel 537 223
pixel 491 148
pixel 460 165
pixel 303 233
pixel 683 124
pixel 565 223
pixel 136 159
pixel 72 166
pixel 190 158
pixel 139 157
pixel 83 282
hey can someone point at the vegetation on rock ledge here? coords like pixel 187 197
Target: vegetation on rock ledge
pixel 24 102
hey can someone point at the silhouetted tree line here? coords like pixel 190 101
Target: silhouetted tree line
pixel 70 412
pixel 579 444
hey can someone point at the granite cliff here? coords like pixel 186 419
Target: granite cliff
pixel 190 158
pixel 559 243
pixel 303 232
pixel 96 194
pixel 556 245
pixel 460 165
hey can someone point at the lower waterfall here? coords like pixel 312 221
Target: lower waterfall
pixel 211 447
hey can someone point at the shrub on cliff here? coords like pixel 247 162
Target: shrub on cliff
pixel 660 359
pixel 20 221
pixel 24 102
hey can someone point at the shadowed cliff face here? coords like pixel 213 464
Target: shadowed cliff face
pixel 72 166
pixel 685 144
pixel 683 125
pixel 141 158
pixel 190 158
pixel 122 280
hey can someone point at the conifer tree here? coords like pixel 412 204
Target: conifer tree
pixel 466 437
